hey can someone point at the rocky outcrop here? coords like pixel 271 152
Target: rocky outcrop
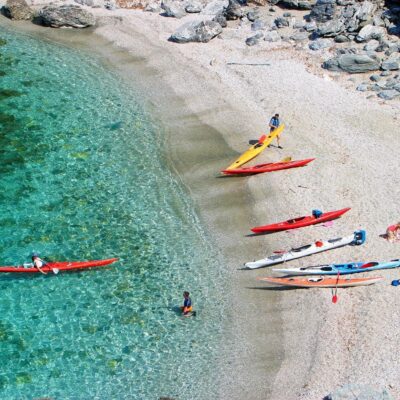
pixel 18 10
pixel 353 63
pixel 195 31
pixel 70 16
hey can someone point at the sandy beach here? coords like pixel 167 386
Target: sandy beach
pixel 290 344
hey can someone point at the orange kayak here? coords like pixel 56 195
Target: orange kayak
pixel 322 281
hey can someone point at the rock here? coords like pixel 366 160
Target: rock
pixel 195 31
pixel 17 10
pixel 215 7
pixel 386 73
pixel 370 32
pixel 331 28
pixel 65 16
pixel 153 7
pixel 360 392
pixel 298 25
pixel 233 11
pixel 253 40
pixel 324 10
pixel 287 15
pixel 193 7
pixel 281 22
pixel 372 45
pixel 272 36
pixel 392 48
pixel 259 25
pixel 220 18
pixel 352 63
pixel 375 78
pixel 397 87
pixel 390 65
pixel 363 87
pixel 387 95
pixel 341 39
pixel 299 36
pixel 320 44
pixel 310 26
pixel 365 10
pixel 253 15
pixel 173 9
pixel 305 5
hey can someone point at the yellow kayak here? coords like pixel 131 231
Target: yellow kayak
pixel 257 148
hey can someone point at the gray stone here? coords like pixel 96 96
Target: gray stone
pixel 193 7
pixel 387 95
pixel 66 16
pixel 220 18
pixel 299 25
pixel 259 25
pixel 363 87
pixel 173 9
pixel 365 10
pixel 375 78
pixel 359 392
pixel 233 11
pixel 272 36
pixel 331 28
pixel 305 5
pixel 287 15
pixel 310 26
pixel 370 32
pixel 352 63
pixel 341 39
pixel 253 15
pixel 299 36
pixel 386 73
pixel 253 40
pixel 390 65
pixel 215 7
pixel 320 44
pixel 397 87
pixel 281 22
pixel 18 10
pixel 195 31
pixel 324 10
pixel 153 7
pixel 372 45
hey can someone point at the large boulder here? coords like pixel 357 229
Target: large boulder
pixel 324 10
pixel 18 10
pixel 370 32
pixel 353 63
pixel 70 16
pixel 195 31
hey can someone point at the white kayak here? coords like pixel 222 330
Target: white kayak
pixel 357 238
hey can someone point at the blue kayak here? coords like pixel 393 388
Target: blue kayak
pixel 342 269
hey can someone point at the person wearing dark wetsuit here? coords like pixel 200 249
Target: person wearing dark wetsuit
pixel 187 304
pixel 274 124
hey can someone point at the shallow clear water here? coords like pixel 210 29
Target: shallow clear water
pixel 81 178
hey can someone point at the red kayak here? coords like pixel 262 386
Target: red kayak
pixel 300 222
pixel 269 167
pixel 60 266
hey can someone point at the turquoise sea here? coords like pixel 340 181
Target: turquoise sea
pixel 82 176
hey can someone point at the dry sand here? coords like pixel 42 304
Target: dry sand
pixel 292 344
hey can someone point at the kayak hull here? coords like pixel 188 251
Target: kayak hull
pixel 256 149
pixel 60 266
pixel 322 282
pixel 341 269
pixel 357 238
pixel 300 222
pixel 269 167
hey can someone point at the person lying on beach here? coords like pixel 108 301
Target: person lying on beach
pixel 187 304
pixel 38 263
pixel 273 124
pixel 393 233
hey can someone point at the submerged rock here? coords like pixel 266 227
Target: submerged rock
pixel 18 10
pixel 66 16
pixel 352 63
pixel 195 31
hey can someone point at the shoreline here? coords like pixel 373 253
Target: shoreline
pixel 323 119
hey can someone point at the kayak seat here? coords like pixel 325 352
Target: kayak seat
pixel 301 248
pixel 334 240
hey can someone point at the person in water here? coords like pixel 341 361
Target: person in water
pixel 274 124
pixel 187 304
pixel 38 263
